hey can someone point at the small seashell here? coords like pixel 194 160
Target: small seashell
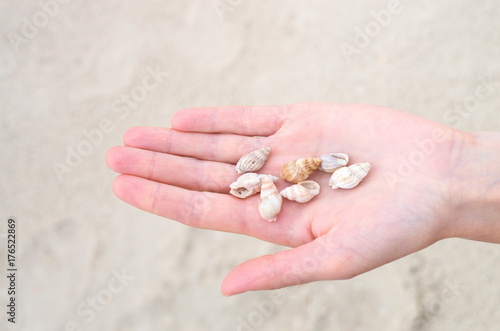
pixel 349 177
pixel 253 161
pixel 298 170
pixel 332 162
pixel 301 192
pixel 270 200
pixel 248 184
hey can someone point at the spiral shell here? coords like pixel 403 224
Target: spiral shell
pixel 248 184
pixel 270 200
pixel 298 170
pixel 301 192
pixel 253 161
pixel 349 177
pixel 332 162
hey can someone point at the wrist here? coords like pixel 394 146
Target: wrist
pixel 475 187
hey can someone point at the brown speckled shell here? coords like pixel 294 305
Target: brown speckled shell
pixel 298 170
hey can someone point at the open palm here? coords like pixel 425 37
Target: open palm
pixel 400 207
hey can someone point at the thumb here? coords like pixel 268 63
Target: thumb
pixel 321 259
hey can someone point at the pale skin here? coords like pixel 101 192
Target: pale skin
pixel 429 182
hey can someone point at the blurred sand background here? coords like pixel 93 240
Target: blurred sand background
pixel 65 78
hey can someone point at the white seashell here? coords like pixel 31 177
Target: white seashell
pixel 248 184
pixel 301 192
pixel 332 162
pixel 349 177
pixel 270 200
pixel 253 161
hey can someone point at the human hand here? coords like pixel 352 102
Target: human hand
pixel 405 204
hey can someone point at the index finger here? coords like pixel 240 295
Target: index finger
pixel 208 210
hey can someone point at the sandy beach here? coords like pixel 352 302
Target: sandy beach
pixel 75 75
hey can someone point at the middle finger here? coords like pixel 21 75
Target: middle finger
pixel 174 170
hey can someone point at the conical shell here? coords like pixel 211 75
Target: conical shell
pixel 253 161
pixel 270 201
pixel 298 170
pixel 349 177
pixel 248 184
pixel 301 192
pixel 332 162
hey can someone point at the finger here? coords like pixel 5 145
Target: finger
pixel 171 169
pixel 213 147
pixel 198 209
pixel 321 259
pixel 243 120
